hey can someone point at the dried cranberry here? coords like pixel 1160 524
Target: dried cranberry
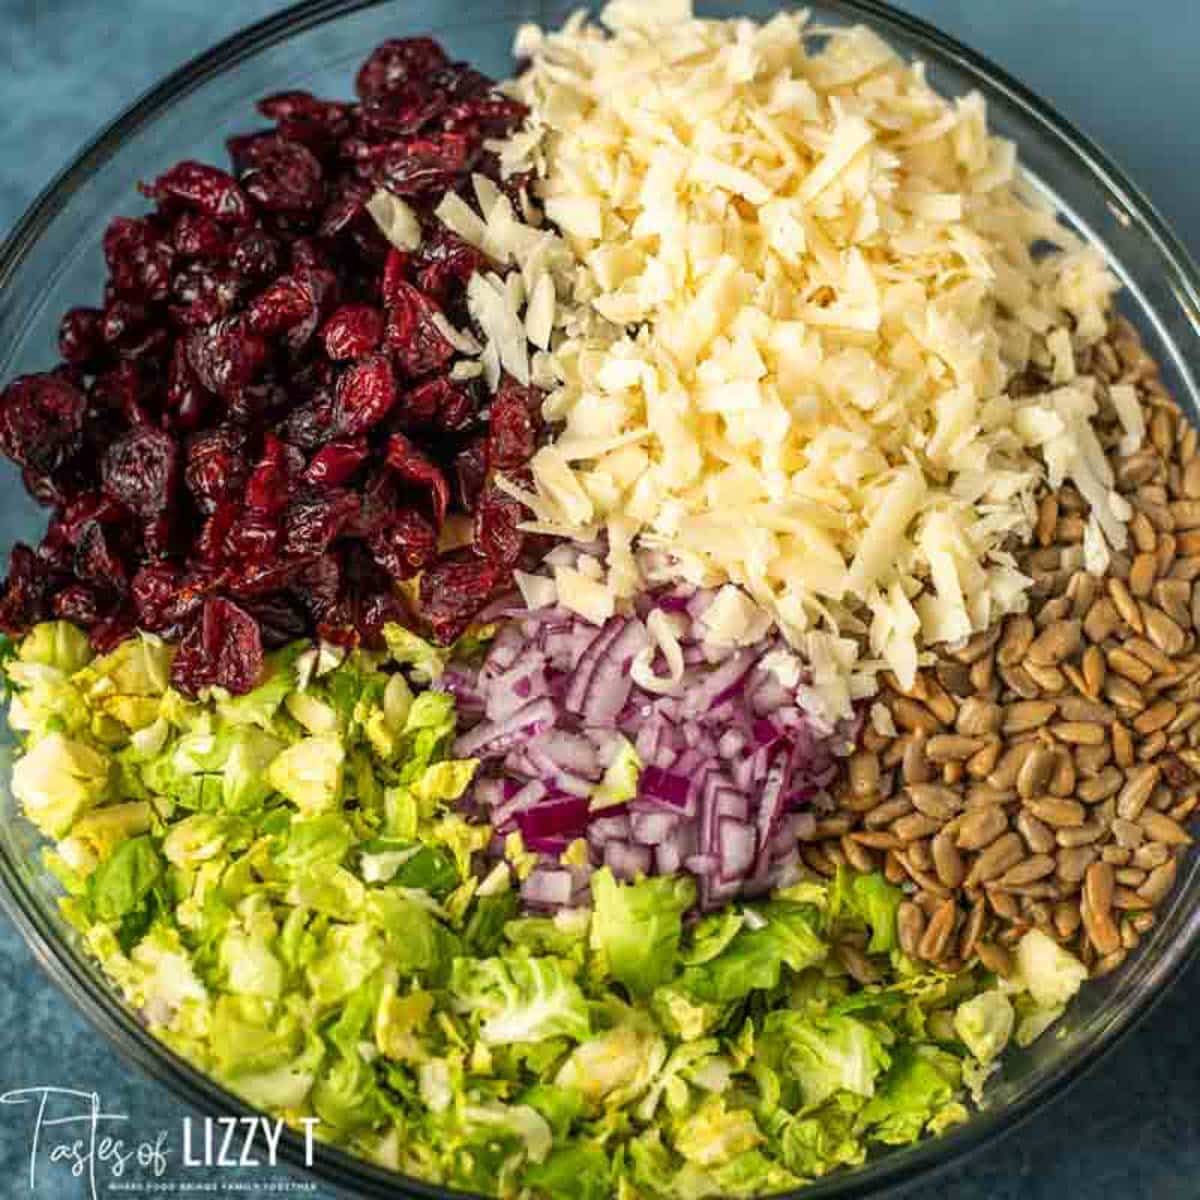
pixel 208 190
pixel 47 490
pixel 154 589
pixel 395 275
pixel 335 463
pixel 159 535
pixel 470 471
pixel 458 411
pixel 497 516
pixel 353 331
pixel 377 609
pixel 78 603
pixel 117 393
pixel 139 260
pixel 313 521
pixel 223 648
pixel 80 337
pixel 185 396
pixel 254 537
pixel 287 302
pixel 41 419
pixel 453 590
pixel 26 592
pixel 280 619
pixel 226 355
pixel 395 62
pixel 365 393
pixel 414 467
pixel 345 205
pixel 121 318
pixel 491 116
pixel 110 631
pixel 512 429
pixel 255 255
pixel 402 112
pixel 411 167
pixel 269 483
pixel 261 339
pixel 69 524
pixel 444 260
pixel 318 585
pixel 311 424
pixel 96 559
pixel 210 545
pixel 216 467
pixel 140 470
pixel 418 344
pixel 460 81
pixel 405 545
pixel 280 175
pixel 206 293
pixel 291 106
pixel 195 235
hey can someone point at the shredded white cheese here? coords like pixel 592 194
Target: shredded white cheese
pixel 792 289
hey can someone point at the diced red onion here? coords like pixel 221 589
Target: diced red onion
pixel 726 760
pixel 665 787
pixel 563 816
pixel 490 739
pixel 652 828
pixel 548 888
pixel 627 861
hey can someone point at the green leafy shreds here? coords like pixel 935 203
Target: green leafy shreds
pixel 283 887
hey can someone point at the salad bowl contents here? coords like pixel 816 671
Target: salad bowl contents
pixel 623 633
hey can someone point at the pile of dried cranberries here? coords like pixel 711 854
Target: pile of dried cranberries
pixel 258 436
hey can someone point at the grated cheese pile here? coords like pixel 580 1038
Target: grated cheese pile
pixel 792 290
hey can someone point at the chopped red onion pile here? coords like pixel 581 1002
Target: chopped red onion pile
pixel 730 761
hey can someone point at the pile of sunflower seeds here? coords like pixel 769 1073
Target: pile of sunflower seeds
pixel 1042 775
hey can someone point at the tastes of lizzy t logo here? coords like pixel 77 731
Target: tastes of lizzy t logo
pixel 70 1131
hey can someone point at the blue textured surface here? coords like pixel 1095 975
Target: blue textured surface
pixel 1131 1131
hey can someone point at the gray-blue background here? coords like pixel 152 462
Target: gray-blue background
pixel 1126 73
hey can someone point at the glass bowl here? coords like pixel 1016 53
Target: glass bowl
pixel 52 261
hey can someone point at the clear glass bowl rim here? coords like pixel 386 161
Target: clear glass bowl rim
pixel 350 1174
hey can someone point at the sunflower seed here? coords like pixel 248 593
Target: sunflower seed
pixel 910 927
pixel 1058 641
pixel 1073 861
pixel 995 958
pixel 1124 603
pixel 1162 631
pixel 1129 666
pixel 1161 828
pixel 935 801
pixel 938 931
pixel 1101 930
pixel 1056 812
pixel 1102 621
pixel 914 716
pixel 1019 632
pixel 1006 851
pixel 1139 783
pixel 1142 573
pixel 952 747
pixel 1159 882
pixel 1028 714
pixel 978 716
pixel 981 827
pixel 947 861
pixel 1032 869
pixel 1079 733
pixel 1100 787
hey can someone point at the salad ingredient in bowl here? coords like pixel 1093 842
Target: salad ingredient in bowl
pixel 621 635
